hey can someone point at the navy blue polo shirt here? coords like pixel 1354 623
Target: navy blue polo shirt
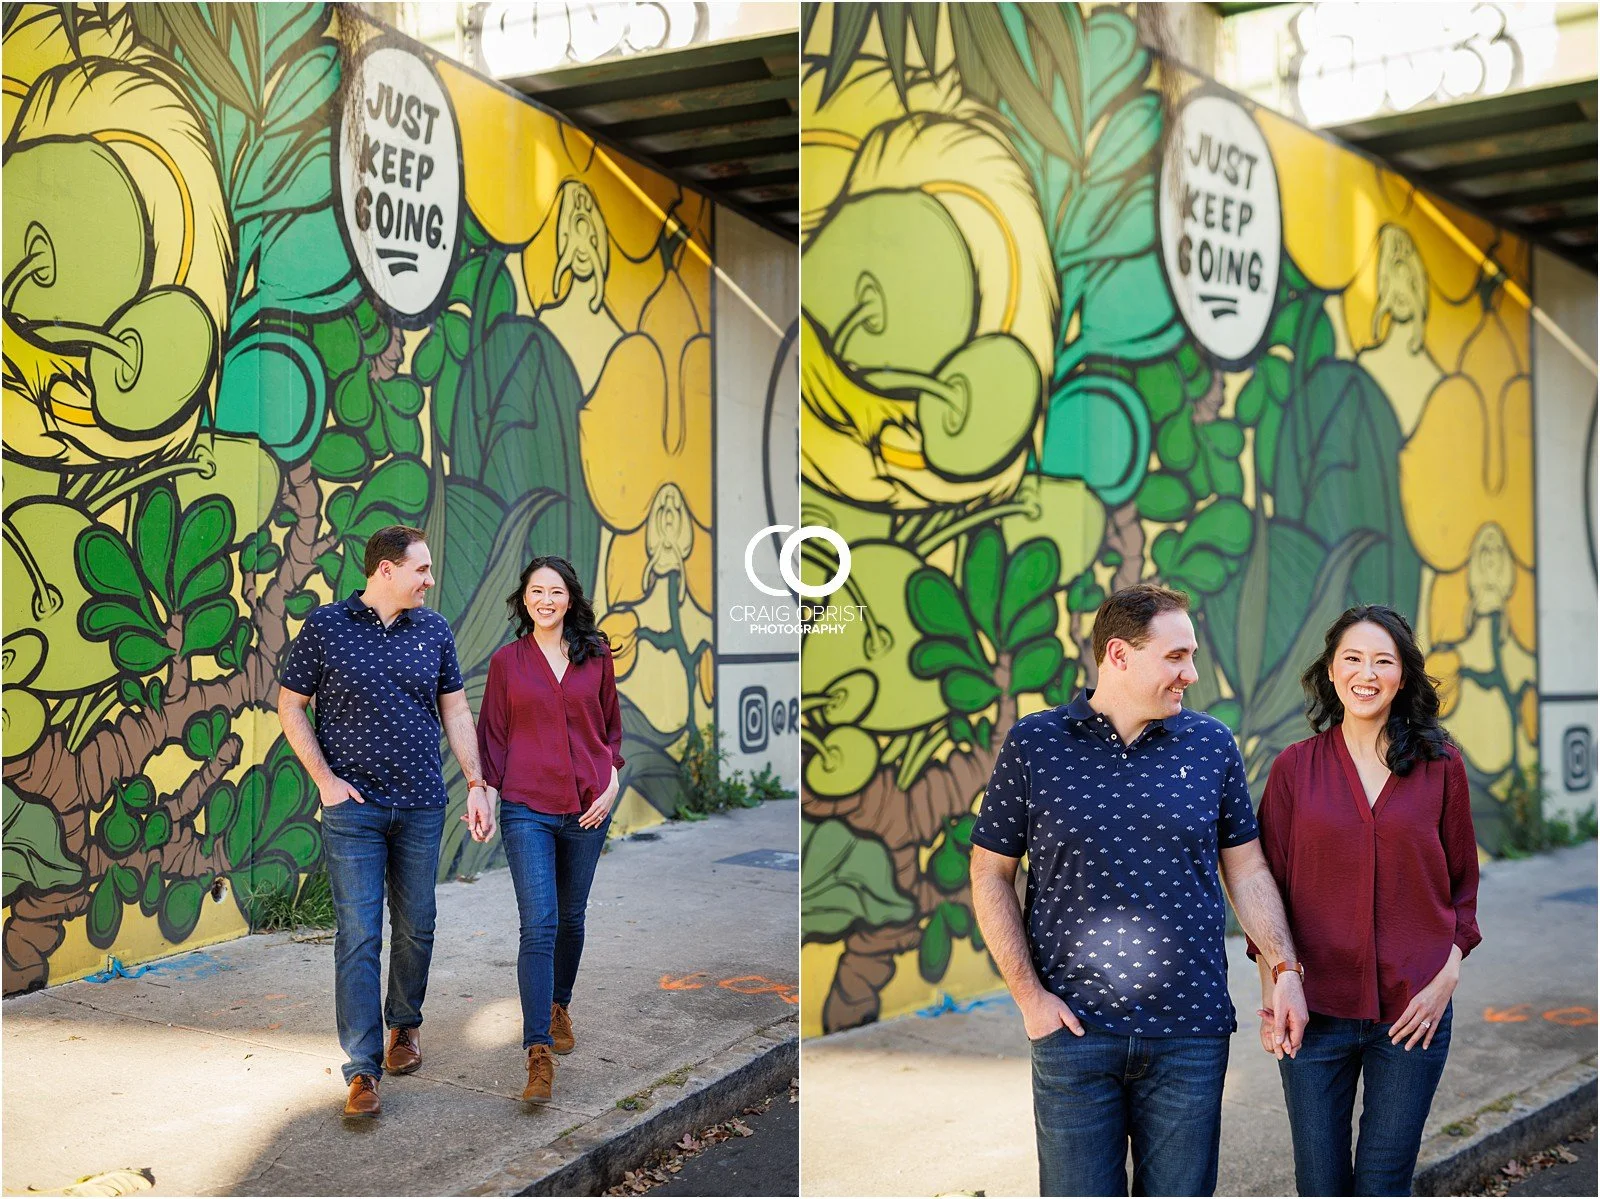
pixel 1125 912
pixel 377 697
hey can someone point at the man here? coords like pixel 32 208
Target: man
pixel 1123 802
pixel 383 671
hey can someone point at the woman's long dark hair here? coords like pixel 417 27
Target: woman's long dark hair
pixel 578 629
pixel 1413 729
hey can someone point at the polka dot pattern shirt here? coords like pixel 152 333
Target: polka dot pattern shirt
pixel 1124 910
pixel 377 697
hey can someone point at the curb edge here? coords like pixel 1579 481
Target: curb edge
pixel 1546 1112
pixel 594 1156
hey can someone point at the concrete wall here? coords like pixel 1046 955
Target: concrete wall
pixel 1049 350
pixel 1564 436
pixel 241 337
pixel 758 662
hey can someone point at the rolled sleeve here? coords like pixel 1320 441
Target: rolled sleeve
pixel 1002 825
pixel 1461 854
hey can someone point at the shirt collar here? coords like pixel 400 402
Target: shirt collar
pixel 1079 711
pixel 359 608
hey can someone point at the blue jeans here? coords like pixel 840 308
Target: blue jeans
pixel 1093 1094
pixel 368 845
pixel 552 860
pixel 1319 1088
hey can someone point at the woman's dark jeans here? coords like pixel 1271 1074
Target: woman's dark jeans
pixel 1319 1087
pixel 552 860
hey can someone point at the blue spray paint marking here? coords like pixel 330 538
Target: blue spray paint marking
pixel 947 1005
pixel 188 968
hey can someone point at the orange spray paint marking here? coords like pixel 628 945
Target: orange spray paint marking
pixel 1510 1015
pixel 1572 1017
pixel 668 983
pixel 755 984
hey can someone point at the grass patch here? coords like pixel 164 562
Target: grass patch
pixel 1528 830
pixel 308 905
pixel 1503 1104
pixel 676 1079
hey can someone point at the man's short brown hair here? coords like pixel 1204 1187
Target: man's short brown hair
pixel 390 544
pixel 1127 614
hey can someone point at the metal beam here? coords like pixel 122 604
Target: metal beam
pixel 1537 160
pixel 680 122
pixel 701 155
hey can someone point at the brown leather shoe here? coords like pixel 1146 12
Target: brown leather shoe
pixel 561 1039
pixel 363 1099
pixel 405 1051
pixel 541 1075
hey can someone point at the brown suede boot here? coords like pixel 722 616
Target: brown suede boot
pixel 561 1039
pixel 541 1075
pixel 363 1097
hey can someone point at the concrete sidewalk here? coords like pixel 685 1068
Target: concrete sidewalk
pixel 943 1105
pixel 219 1069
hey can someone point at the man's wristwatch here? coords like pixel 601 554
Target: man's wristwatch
pixel 477 785
pixel 1283 967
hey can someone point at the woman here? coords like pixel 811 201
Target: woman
pixel 1367 827
pixel 550 733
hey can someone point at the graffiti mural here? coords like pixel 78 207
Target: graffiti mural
pixel 1068 325
pixel 270 284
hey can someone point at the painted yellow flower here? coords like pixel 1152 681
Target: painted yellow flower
pixel 621 627
pixel 652 483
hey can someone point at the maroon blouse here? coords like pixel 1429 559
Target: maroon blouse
pixel 549 745
pixel 1375 895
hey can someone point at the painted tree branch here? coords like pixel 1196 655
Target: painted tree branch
pixel 906 821
pixel 75 785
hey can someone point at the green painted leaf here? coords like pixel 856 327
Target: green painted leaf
pixel 1035 664
pixel 154 530
pixel 138 652
pixel 221 808
pixel 1228 711
pixel 197 738
pixel 1175 442
pixel 1130 135
pixel 1274 373
pixel 403 433
pixel 1224 525
pixel 399 486
pixel 338 344
pixel 300 842
pixel 286 799
pixel 847 883
pixel 1267 435
pixel 215 578
pixel 118 829
pixel 339 456
pixel 1341 473
pixel 1164 498
pixel 150 897
pixel 402 395
pixel 205 531
pixel 104 915
pixel 1085 594
pixel 933 951
pixel 180 909
pixel 242 833
pixel 352 399
pixel 1038 619
pixel 936 607
pixel 157 830
pixel 932 656
pixel 1222 437
pixel 980 578
pixel 100 618
pixel 139 792
pixel 106 565
pixel 1030 574
pixel 947 865
pixel 35 854
pixel 425 363
pixel 1161 385
pixel 300 604
pixel 304 88
pixel 457 333
pixel 208 625
pixel 966 691
pixel 1253 398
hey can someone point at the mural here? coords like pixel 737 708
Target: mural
pixel 219 379
pixel 1068 325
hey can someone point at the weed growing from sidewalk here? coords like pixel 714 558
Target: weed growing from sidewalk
pixel 707 789
pixel 311 907
pixel 1528 830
